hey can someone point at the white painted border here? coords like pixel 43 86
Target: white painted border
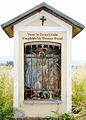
pixel 16 69
pixel 64 27
pixel 69 71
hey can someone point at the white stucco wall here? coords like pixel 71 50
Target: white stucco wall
pixel 43 109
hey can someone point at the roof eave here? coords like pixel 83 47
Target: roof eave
pixel 65 17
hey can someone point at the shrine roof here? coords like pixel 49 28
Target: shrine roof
pixel 8 27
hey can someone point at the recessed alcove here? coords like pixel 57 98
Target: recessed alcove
pixel 42 71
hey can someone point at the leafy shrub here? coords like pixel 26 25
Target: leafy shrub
pixel 64 116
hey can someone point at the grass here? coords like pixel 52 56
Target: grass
pixel 6 92
pixel 79 92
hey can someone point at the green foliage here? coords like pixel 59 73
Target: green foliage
pixel 79 91
pixel 6 93
pixel 64 116
pixel 50 118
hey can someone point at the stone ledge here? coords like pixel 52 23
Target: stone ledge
pixel 42 101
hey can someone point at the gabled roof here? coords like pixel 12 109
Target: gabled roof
pixel 9 26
